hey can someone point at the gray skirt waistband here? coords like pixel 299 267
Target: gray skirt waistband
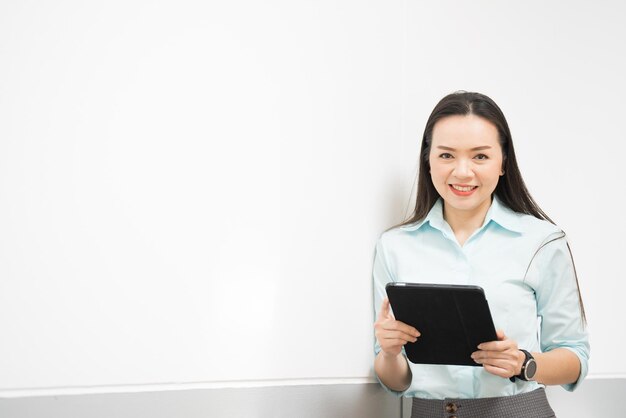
pixel 525 405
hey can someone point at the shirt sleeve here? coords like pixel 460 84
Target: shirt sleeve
pixel 558 303
pixel 381 276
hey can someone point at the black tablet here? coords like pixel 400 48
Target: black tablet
pixel 453 320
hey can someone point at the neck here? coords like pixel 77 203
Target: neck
pixel 465 222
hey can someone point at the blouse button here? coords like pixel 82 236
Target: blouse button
pixel 451 408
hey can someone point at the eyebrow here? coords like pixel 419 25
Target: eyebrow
pixel 484 147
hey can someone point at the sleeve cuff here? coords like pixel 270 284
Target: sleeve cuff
pixel 393 392
pixel 387 389
pixel 584 368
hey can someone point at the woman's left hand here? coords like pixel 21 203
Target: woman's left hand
pixel 502 358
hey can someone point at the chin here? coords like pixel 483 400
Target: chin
pixel 461 204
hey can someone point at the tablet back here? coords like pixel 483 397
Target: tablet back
pixel 452 319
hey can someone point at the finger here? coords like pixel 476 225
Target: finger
pixel 492 356
pixel 400 326
pixel 399 335
pixel 496 346
pixel 392 342
pixel 505 364
pixel 383 335
pixel 498 371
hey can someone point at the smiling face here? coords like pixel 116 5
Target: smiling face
pixel 465 163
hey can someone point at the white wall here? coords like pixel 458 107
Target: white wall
pixel 190 191
pixel 555 70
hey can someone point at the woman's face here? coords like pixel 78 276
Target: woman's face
pixel 465 162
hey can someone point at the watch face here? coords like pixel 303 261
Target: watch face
pixel 531 369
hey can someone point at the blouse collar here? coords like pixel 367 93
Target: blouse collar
pixel 498 212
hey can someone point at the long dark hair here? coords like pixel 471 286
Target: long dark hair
pixel 511 189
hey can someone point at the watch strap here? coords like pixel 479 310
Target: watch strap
pixel 522 374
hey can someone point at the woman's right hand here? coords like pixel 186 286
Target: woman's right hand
pixel 392 335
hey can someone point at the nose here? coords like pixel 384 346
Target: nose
pixel 463 169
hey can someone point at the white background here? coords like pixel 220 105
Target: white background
pixel 190 192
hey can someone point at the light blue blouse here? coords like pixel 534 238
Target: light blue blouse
pixel 532 294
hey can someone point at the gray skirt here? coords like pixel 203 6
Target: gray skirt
pixel 526 405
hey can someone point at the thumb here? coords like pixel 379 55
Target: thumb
pixel 384 309
pixel 500 335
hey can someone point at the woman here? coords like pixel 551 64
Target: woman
pixel 476 223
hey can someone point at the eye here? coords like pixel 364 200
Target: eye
pixel 445 155
pixel 481 157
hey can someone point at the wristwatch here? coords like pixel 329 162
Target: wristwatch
pixel 529 368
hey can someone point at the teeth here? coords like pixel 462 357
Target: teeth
pixel 463 189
